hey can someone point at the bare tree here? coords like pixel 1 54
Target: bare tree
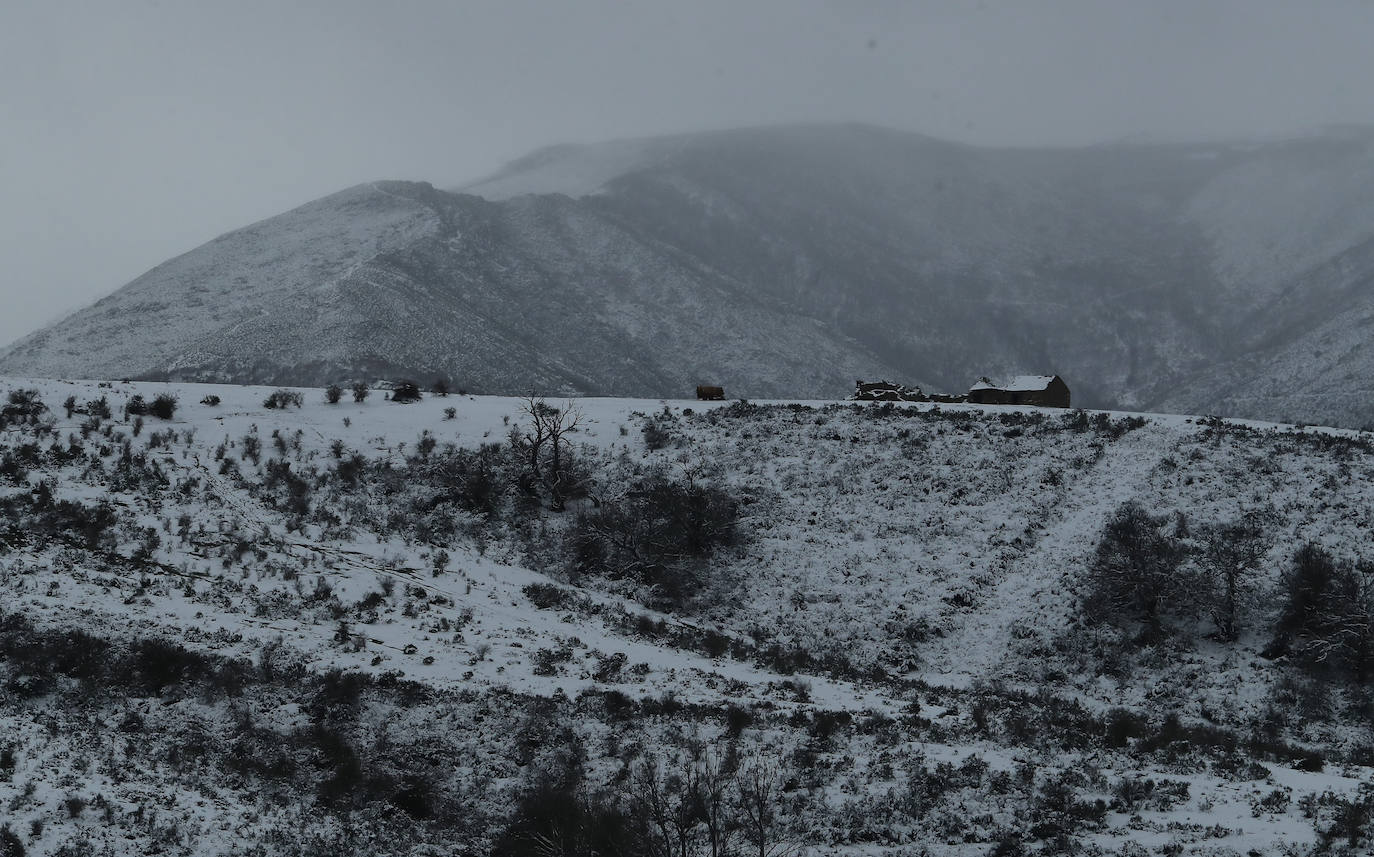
pixel 662 801
pixel 715 779
pixel 1136 570
pixel 1234 551
pixel 686 805
pixel 758 785
pixel 1348 636
pixel 548 429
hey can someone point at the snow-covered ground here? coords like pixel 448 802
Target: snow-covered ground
pixel 927 560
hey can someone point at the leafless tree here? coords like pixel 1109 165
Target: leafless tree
pixel 758 787
pixel 1233 555
pixel 688 806
pixel 714 780
pixel 662 800
pixel 1136 570
pixel 548 429
pixel 1346 621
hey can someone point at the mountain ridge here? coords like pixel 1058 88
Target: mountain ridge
pixel 788 262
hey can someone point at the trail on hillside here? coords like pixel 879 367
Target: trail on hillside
pixel 1033 597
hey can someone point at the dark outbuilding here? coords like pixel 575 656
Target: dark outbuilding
pixel 1046 391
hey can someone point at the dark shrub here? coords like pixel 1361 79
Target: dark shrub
pixel 210 401
pixel 558 808
pixel 415 797
pixel 1231 555
pixel 158 664
pixel 333 393
pixel 405 392
pixel 10 846
pixel 1122 725
pixel 1309 584
pixel 99 408
pixel 136 406
pixel 164 406
pixel 75 805
pixel 546 596
pixel 22 406
pixel 360 391
pixel 86 526
pixel 659 533
pixel 283 399
pixel 1352 822
pixel 1329 614
pixel 656 436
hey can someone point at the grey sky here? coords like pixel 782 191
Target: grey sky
pixel 133 131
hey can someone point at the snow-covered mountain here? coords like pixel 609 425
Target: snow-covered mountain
pixel 269 624
pixel 1229 278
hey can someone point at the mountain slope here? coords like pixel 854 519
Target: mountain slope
pixel 790 261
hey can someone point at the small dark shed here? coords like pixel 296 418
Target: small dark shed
pixel 1046 391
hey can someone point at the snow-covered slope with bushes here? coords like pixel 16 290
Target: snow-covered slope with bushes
pixel 362 627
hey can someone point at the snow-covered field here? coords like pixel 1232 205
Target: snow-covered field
pixel 899 628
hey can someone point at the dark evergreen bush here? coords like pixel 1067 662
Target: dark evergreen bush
pixel 164 406
pixel 99 408
pixel 405 392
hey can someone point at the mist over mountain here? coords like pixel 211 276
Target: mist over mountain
pixel 787 262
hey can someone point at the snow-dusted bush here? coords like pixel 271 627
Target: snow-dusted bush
pixel 659 533
pixel 283 399
pixel 22 406
pixel 1329 615
pixel 99 408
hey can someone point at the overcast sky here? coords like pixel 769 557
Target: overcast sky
pixel 132 131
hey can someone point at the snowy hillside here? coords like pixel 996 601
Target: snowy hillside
pixel 176 308
pixel 416 628
pixel 787 262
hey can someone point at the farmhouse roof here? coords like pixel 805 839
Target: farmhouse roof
pixel 1019 384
